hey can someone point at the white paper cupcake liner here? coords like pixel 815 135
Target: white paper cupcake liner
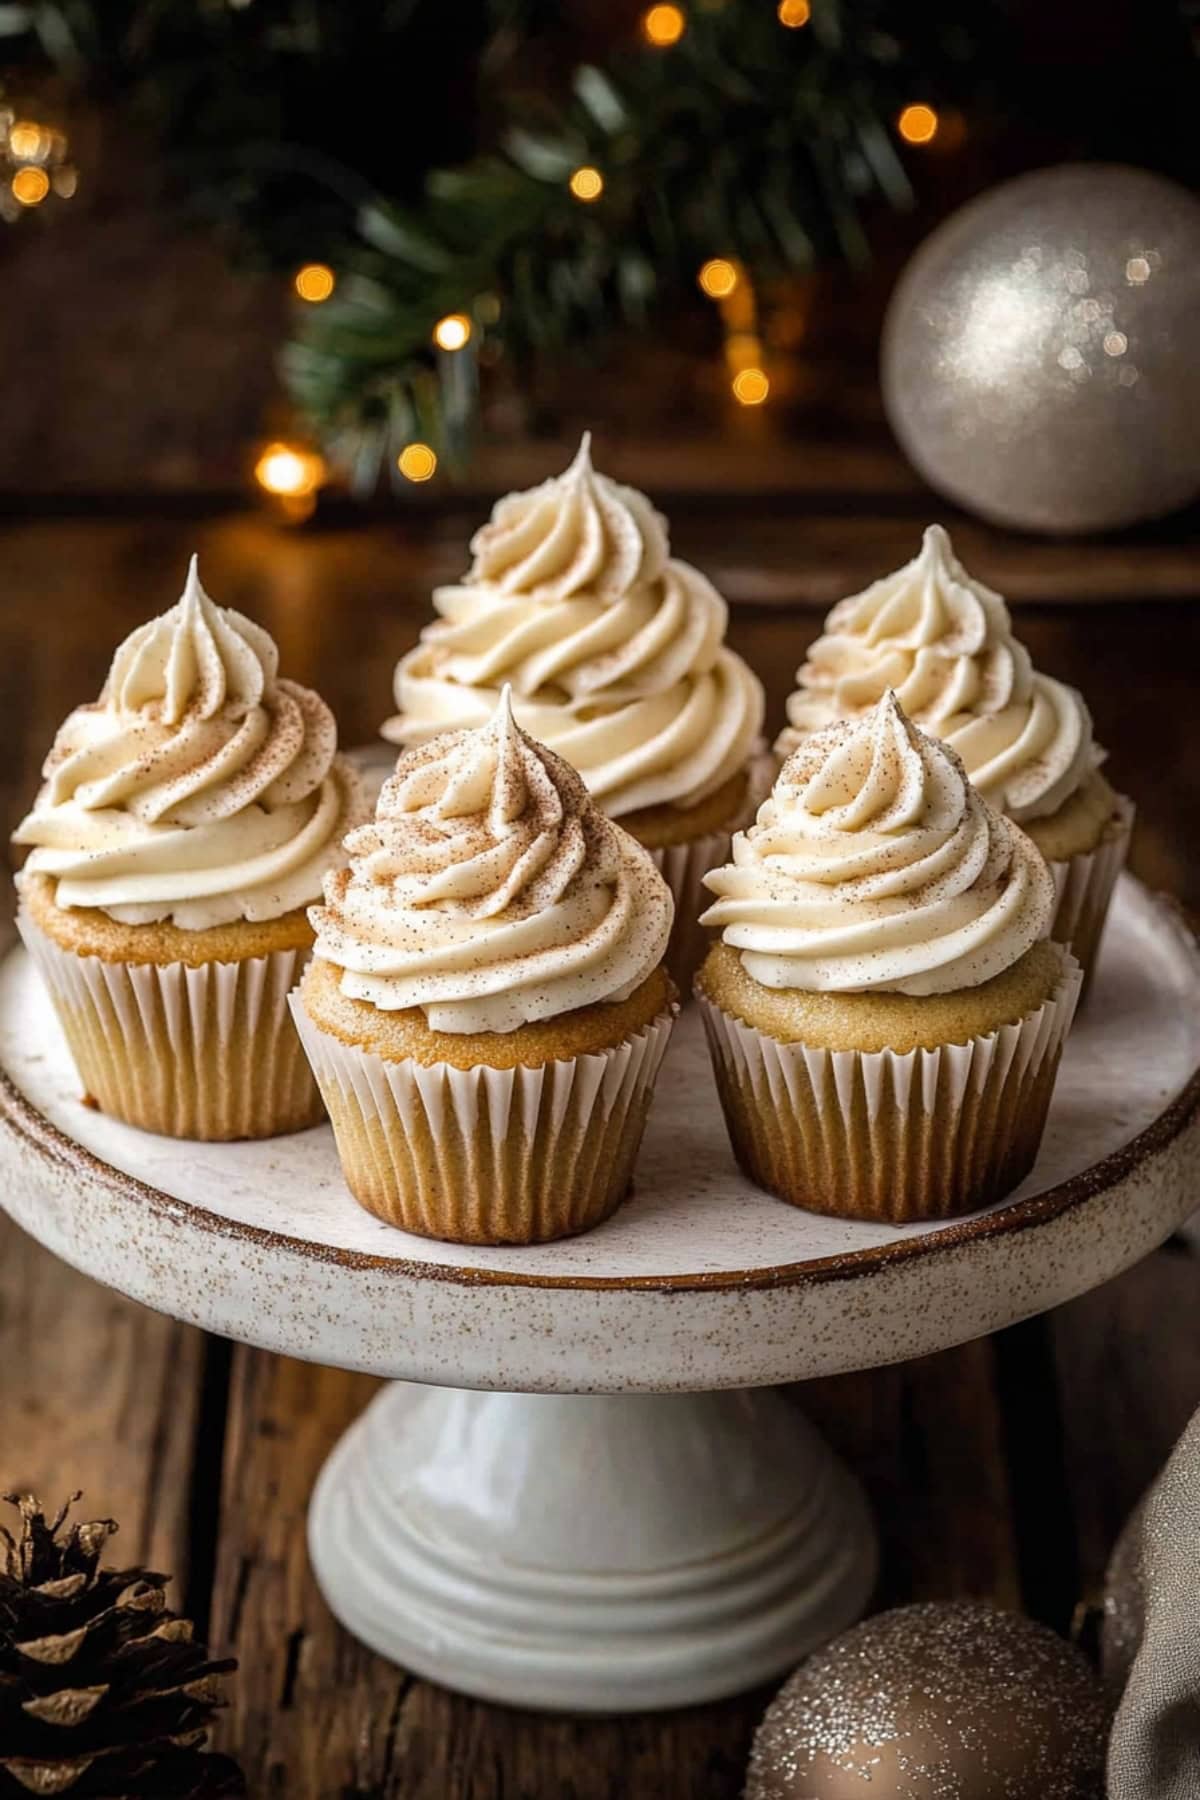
pixel 887 1136
pixel 208 1052
pixel 684 866
pixel 1084 885
pixel 483 1155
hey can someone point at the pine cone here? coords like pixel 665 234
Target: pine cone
pixel 102 1691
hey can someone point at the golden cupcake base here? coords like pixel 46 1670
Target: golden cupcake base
pixel 200 1049
pixel 537 1143
pixel 896 1136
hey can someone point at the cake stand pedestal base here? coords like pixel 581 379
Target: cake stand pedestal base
pixel 605 1553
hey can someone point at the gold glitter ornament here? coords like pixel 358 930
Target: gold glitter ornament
pixel 941 1701
pixel 1038 353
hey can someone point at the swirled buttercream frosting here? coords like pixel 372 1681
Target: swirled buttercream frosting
pixel 875 865
pixel 613 648
pixel 945 643
pixel 201 787
pixel 489 891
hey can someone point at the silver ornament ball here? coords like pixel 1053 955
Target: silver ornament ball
pixel 1039 363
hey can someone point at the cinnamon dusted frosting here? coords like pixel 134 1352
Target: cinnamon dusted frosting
pixel 945 643
pixel 201 787
pixel 613 648
pixel 489 891
pixel 876 865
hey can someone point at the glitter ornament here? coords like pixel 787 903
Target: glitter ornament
pixel 1038 358
pixel 942 1701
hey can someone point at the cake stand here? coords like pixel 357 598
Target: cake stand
pixel 594 1499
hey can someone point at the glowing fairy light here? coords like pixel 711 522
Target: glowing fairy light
pixel 587 184
pixel 417 462
pixel 315 282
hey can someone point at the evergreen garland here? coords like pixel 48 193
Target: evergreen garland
pixel 744 139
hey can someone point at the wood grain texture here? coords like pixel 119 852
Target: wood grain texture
pixel 317 1715
pixel 98 1394
pixel 1128 1362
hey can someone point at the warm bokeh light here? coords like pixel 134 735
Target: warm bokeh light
pixel 751 387
pixel 288 471
pixel 794 13
pixel 315 282
pixel 452 332
pixel 663 25
pixel 417 462
pixel 917 124
pixel 27 141
pixel 718 277
pixel 586 183
pixel 64 181
pixel 30 186
pixel 743 350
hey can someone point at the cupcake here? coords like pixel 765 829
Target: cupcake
pixel 615 653
pixel 945 643
pixel 487 1008
pixel 884 1010
pixel 186 821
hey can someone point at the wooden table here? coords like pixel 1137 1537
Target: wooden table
pixel 1003 1468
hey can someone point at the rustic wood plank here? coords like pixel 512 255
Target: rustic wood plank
pixel 315 1714
pixel 98 1393
pixel 1128 1359
pixel 927 1439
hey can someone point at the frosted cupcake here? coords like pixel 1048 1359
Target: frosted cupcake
pixel 186 821
pixel 616 656
pixel 945 643
pixel 487 1008
pixel 884 1012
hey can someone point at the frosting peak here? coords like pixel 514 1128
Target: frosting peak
pixel 614 649
pixel 579 532
pixel 945 643
pixel 489 891
pixel 200 787
pixel 874 864
pixel 196 658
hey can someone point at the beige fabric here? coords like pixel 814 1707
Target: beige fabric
pixel 1155 1749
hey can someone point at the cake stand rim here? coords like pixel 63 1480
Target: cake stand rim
pixel 23 1122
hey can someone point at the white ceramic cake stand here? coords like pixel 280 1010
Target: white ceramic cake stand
pixel 598 1502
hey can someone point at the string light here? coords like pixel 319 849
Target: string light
pixel 27 142
pixel 30 186
pixel 918 124
pixel 452 332
pixel 794 13
pixel 315 282
pixel 288 472
pixel 663 26
pixel 718 277
pixel 750 387
pixel 417 462
pixel 586 183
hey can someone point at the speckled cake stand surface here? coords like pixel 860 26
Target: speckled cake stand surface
pixel 595 1500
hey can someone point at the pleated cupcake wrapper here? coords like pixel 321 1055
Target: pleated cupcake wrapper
pixel 483 1155
pixel 884 1136
pixel 1084 886
pixel 209 1052
pixel 684 866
